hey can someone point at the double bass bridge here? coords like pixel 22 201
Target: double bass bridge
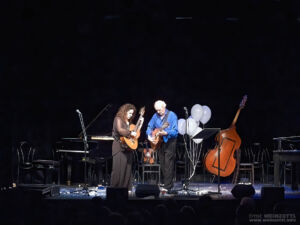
pixel 228 144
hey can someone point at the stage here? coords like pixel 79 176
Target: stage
pixel 192 192
pixel 36 204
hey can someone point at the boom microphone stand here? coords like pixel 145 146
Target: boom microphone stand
pixel 185 182
pixel 187 165
pixel 86 146
pixel 204 134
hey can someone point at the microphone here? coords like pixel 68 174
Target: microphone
pixel 77 110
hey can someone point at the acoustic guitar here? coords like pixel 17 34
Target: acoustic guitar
pixel 157 139
pixel 148 154
pixel 132 142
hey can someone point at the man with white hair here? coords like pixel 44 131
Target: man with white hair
pixel 162 132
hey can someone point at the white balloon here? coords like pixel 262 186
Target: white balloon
pixel 197 131
pixel 198 140
pixel 198 122
pixel 191 126
pixel 197 112
pixel 181 126
pixel 206 114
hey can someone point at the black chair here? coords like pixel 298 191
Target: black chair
pixel 269 164
pixel 148 167
pixel 137 163
pixel 287 168
pixel 49 167
pixel 180 161
pixel 257 159
pixel 243 164
pixel 25 155
pixel 98 172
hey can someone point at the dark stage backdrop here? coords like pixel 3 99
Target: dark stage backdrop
pixel 59 57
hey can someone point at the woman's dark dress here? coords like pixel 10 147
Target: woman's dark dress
pixel 122 157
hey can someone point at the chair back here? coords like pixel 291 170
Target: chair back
pixel 269 156
pixel 25 152
pixel 256 152
pixel 246 155
pixel 264 155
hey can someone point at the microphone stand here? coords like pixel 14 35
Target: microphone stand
pixel 219 150
pixel 186 172
pixel 105 108
pixel 86 146
pixel 207 133
pixel 186 181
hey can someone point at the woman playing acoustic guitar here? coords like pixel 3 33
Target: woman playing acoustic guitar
pixel 122 156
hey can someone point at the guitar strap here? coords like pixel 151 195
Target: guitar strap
pixel 166 117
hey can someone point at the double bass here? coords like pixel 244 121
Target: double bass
pixel 228 141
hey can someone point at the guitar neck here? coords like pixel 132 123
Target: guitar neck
pixel 138 124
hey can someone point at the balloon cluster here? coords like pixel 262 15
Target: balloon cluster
pixel 199 114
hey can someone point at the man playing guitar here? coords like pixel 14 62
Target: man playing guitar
pixel 162 133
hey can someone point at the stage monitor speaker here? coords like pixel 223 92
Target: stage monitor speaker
pixel 146 190
pixel 43 190
pixel 242 190
pixel 114 194
pixel 270 196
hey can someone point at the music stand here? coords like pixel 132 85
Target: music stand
pixel 205 134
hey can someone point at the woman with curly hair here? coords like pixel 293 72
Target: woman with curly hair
pixel 122 157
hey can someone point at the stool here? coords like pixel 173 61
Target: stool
pixel 150 169
pixel 246 167
pixel 242 167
